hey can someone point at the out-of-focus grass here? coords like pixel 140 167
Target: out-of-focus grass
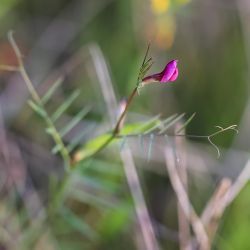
pixel 206 38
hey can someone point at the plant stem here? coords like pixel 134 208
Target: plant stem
pixel 55 135
pixel 130 99
pixel 118 124
pixel 114 134
pixel 58 197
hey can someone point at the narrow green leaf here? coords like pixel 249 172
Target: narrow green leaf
pixel 74 121
pixel 186 123
pixel 160 124
pixel 93 145
pixel 52 90
pixel 77 223
pixel 168 120
pixel 146 68
pixel 65 105
pixel 146 55
pixel 39 110
pixel 66 129
pixel 140 127
pixel 171 123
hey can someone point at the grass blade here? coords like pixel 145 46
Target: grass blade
pixel 74 121
pixel 161 124
pixel 171 123
pixel 140 127
pixel 186 123
pixel 65 105
pixel 51 90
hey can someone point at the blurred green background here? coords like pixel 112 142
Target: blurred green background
pixel 62 38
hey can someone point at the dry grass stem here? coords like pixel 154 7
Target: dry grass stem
pixel 142 213
pixel 184 229
pixel 184 201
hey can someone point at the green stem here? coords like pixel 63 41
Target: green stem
pixel 55 135
pixel 58 197
pixel 112 136
pixel 130 99
pixel 118 124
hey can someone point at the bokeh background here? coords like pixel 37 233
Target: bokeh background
pixel 88 42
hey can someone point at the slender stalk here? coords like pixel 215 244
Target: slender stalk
pixel 118 124
pixel 56 136
pixel 183 199
pixel 181 169
pixel 130 99
pixel 114 134
pixel 57 199
pixel 116 130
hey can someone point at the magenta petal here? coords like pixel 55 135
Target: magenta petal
pixel 169 74
pixel 174 76
pixel 169 71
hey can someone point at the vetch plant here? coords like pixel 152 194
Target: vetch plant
pixel 151 128
pixel 154 127
pixel 169 74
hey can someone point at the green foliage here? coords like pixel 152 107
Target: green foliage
pixel 115 220
pixel 65 105
pixel 234 229
pixel 88 206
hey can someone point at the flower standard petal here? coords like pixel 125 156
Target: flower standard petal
pixel 169 74
pixel 174 76
pixel 169 71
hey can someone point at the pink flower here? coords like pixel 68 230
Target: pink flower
pixel 169 74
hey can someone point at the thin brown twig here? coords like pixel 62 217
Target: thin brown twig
pixel 184 230
pixel 130 99
pixel 223 196
pixel 145 66
pixel 212 213
pixel 195 221
pixel 242 179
